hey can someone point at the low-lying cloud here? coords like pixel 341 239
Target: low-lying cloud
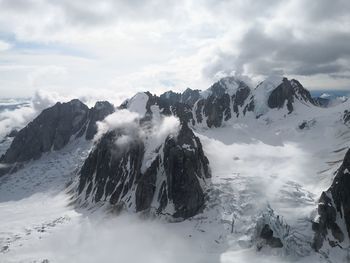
pixel 130 126
pixel 122 239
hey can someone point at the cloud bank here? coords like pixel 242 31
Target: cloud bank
pixel 129 46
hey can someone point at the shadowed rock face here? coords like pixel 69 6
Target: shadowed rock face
pixel 54 128
pixel 100 111
pixel 334 206
pixel 110 171
pixel 286 93
pixel 226 97
pixel 267 235
pixel 346 117
pixel 171 184
pixel 223 100
pixel 184 166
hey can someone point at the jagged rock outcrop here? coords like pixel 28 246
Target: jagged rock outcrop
pixel 322 102
pixel 346 117
pixel 334 209
pixel 97 113
pixel 54 128
pixel 184 165
pixel 267 234
pixel 226 99
pixel 188 97
pixel 171 184
pixel 110 170
pixel 286 93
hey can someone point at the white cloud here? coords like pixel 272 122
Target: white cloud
pixel 130 130
pixel 4 46
pixel 122 239
pixel 167 126
pixel 157 45
pixel 17 117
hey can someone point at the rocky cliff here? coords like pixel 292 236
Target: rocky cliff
pixel 53 129
pixel 333 223
pixel 173 183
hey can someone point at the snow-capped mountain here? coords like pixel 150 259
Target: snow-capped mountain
pixel 243 171
pixel 53 129
pixel 226 100
pixel 329 100
pixel 333 224
pixel 171 181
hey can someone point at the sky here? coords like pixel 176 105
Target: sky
pixel 107 47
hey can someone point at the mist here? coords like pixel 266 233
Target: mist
pixel 125 238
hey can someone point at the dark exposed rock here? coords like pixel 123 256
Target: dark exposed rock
pixel 322 102
pixel 190 96
pixel 305 125
pixel 184 163
pixel 52 130
pixel 224 100
pixel 267 235
pixel 114 174
pixel 334 206
pixel 346 117
pixel 286 93
pixel 110 171
pixel 12 133
pixel 231 94
pixel 97 113
pixel 171 97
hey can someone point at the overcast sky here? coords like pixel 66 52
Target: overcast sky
pixel 133 45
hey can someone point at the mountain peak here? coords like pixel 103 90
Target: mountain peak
pixel 227 85
pixel 278 92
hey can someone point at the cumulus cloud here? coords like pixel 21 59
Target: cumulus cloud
pixel 15 119
pixel 123 119
pixel 130 129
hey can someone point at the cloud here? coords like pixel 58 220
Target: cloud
pixel 4 46
pixel 125 238
pixel 124 120
pixel 130 46
pixel 15 119
pixel 17 113
pixel 167 125
pixel 131 129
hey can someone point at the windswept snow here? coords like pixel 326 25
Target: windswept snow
pixel 262 92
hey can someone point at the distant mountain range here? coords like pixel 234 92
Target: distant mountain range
pixel 147 155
